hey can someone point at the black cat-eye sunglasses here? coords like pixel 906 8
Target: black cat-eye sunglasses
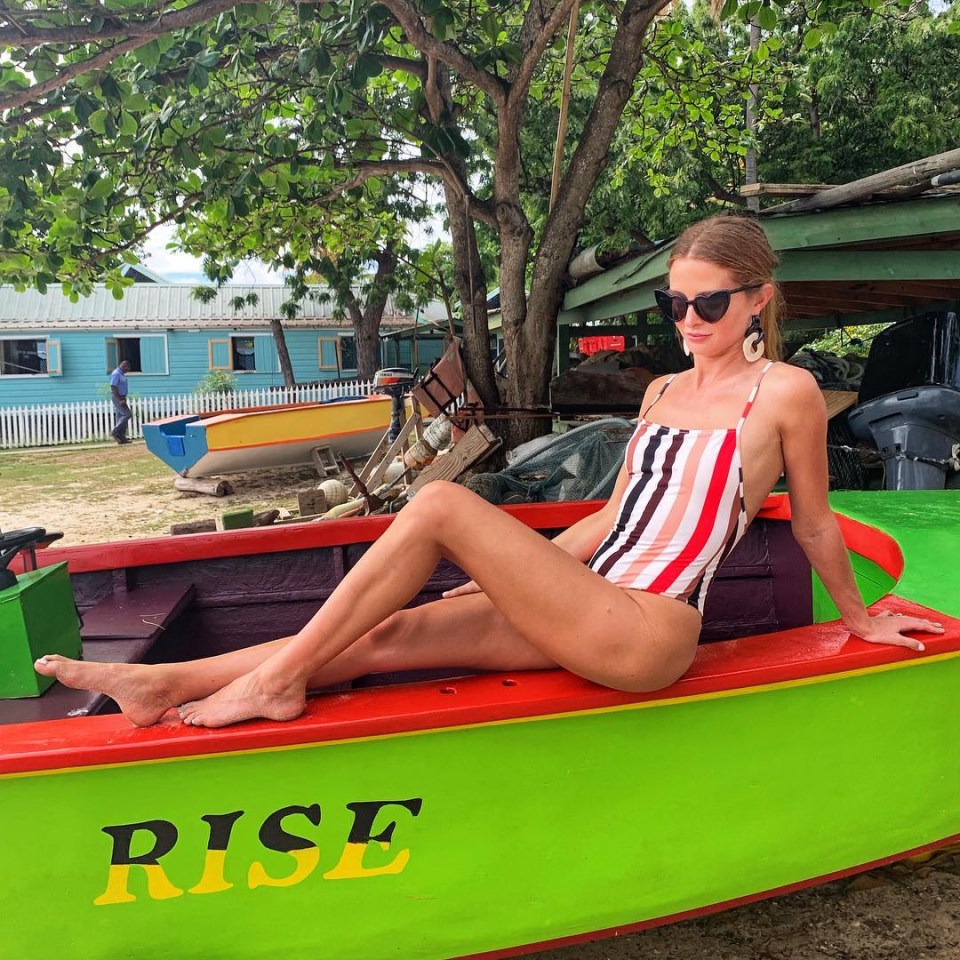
pixel 710 307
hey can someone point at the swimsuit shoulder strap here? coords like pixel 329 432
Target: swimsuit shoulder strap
pixel 753 395
pixel 660 393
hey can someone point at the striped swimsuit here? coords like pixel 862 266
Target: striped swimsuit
pixel 683 510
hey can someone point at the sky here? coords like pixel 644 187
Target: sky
pixel 179 267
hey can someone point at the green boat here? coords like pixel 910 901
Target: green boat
pixel 421 817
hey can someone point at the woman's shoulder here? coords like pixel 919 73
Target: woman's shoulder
pixel 794 382
pixel 794 397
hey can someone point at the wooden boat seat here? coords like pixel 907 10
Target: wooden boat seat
pixel 140 614
pixel 121 628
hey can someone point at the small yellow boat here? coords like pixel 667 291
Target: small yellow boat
pixel 230 441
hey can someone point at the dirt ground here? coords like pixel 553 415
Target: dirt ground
pixel 908 911
pixel 94 493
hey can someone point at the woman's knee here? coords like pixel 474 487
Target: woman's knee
pixel 646 674
pixel 436 503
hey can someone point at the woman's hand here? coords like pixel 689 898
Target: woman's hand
pixel 463 590
pixel 890 628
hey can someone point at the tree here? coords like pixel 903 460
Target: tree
pixel 111 82
pixel 119 118
pixel 356 248
pixel 875 89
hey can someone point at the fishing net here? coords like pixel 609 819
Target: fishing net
pixel 581 464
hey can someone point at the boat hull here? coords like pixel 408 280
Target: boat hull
pixel 482 815
pixel 238 440
pixel 483 836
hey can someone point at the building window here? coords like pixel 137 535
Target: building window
pixel 338 353
pixel 243 353
pixel 348 353
pixel 146 355
pixel 23 358
pixel 250 353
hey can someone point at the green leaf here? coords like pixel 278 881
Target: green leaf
pixel 367 66
pixel 110 88
pixel 102 188
pixel 767 18
pixel 208 59
pixel 306 60
pixel 812 38
pixel 128 124
pixel 149 54
pixel 98 121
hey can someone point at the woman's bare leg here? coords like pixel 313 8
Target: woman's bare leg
pixel 145 692
pixel 431 635
pixel 575 618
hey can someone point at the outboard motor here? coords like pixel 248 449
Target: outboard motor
pixel 909 402
pixel 394 382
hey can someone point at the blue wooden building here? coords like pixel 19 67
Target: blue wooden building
pixel 52 350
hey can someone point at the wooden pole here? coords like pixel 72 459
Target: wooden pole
pixel 906 175
pixel 753 202
pixel 564 102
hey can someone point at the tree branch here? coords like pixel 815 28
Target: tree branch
pixel 416 67
pixel 417 34
pixel 164 23
pixel 536 35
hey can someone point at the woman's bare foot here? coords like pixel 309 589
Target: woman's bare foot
pixel 246 698
pixel 138 689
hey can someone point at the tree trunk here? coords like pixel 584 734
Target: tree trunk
pixel 283 354
pixel 472 287
pixel 530 324
pixel 366 330
pixel 468 275
pixel 367 319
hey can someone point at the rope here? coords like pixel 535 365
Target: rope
pixel 948 463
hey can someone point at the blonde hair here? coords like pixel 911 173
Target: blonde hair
pixel 739 245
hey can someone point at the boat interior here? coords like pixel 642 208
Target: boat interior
pixel 190 597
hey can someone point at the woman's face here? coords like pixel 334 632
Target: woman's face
pixel 693 278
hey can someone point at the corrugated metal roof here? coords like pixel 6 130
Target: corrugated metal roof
pixel 167 306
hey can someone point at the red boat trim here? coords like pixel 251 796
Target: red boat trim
pixel 859 537
pixel 713 908
pixel 865 540
pixel 295 536
pixel 798 655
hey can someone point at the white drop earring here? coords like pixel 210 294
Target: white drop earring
pixel 685 346
pixel 753 340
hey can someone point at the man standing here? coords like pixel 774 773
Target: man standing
pixel 118 393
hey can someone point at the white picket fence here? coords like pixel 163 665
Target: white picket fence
pixel 49 424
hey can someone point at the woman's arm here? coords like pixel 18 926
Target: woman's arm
pixel 804 438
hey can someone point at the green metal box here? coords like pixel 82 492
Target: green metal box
pixel 37 616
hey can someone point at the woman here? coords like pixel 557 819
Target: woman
pixel 616 598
